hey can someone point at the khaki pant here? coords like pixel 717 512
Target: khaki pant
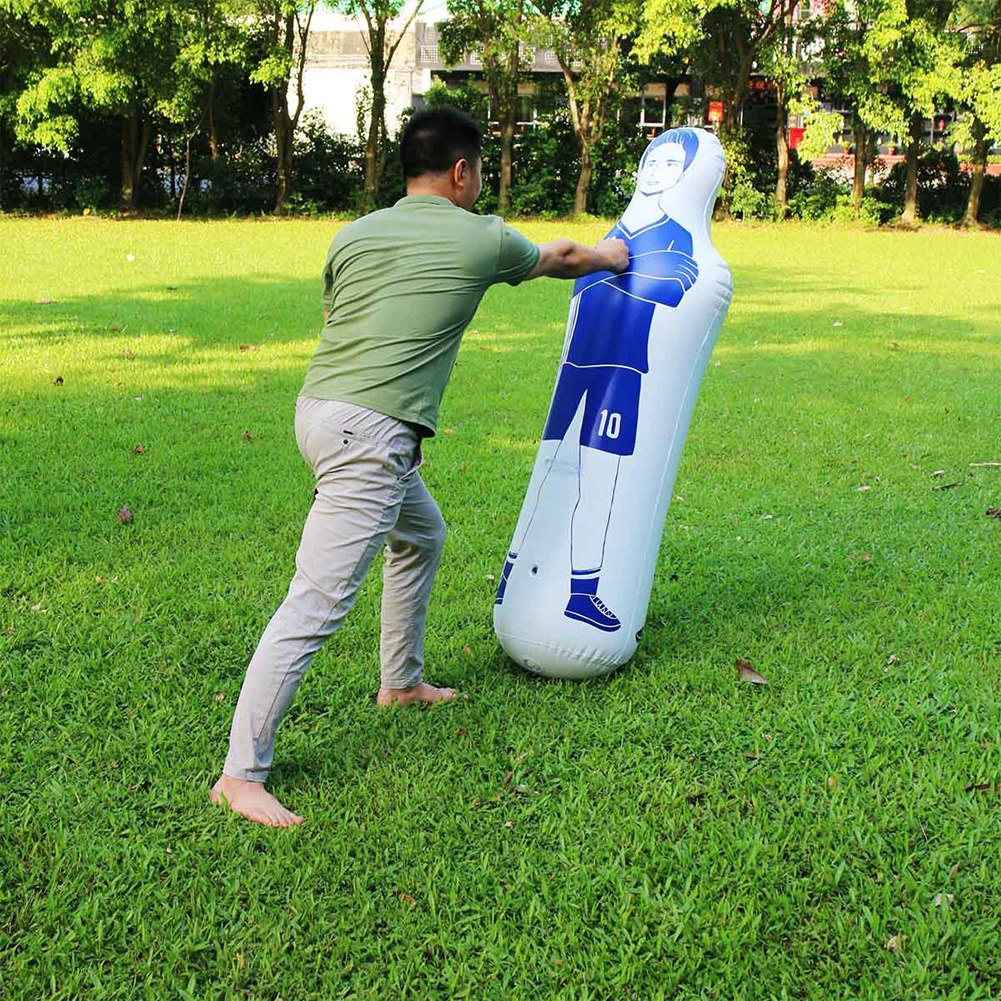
pixel 368 493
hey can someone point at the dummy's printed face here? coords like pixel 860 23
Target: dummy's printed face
pixel 662 169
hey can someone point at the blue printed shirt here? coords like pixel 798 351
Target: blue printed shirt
pixel 612 325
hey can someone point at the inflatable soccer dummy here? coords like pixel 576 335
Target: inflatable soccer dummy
pixel 574 591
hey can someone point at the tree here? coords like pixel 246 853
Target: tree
pixel 496 30
pixel 25 48
pixel 724 37
pixel 589 38
pixel 893 61
pixel 856 80
pixel 284 27
pixel 908 41
pixel 111 57
pixel 980 24
pixel 779 62
pixel 381 44
pixel 209 38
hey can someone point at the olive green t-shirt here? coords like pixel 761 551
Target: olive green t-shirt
pixel 400 286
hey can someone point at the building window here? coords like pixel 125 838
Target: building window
pixel 653 111
pixel 528 114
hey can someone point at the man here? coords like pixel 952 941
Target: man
pixel 605 361
pixel 400 287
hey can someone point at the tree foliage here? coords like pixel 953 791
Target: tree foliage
pixel 590 38
pixel 498 31
pixel 381 43
pixel 212 91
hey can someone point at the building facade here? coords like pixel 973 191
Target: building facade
pixel 336 77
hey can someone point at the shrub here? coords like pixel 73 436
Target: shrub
pixel 614 178
pixel 817 198
pixel 943 188
pixel 328 166
pixel 746 202
pixel 545 168
pixel 738 196
pixel 91 192
pixel 241 181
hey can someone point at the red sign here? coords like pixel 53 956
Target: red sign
pixel 715 112
pixel 795 135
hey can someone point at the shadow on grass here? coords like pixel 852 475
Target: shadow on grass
pixel 251 304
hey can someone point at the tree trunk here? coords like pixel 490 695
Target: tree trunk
pixel 583 180
pixel 380 56
pixel 135 141
pixel 507 108
pixel 980 151
pixel 910 214
pixel 213 135
pixel 187 174
pixel 860 137
pixel 506 156
pixel 736 59
pixel 734 100
pixel 187 155
pixel 285 121
pixel 283 150
pixel 589 115
pixel 285 166
pixel 374 143
pixel 670 89
pixel 377 122
pixel 782 151
pixel 128 199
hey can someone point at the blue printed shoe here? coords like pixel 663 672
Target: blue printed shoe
pixel 591 609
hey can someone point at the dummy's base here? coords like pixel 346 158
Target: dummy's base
pixel 553 661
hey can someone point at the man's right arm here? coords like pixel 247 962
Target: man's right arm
pixel 569 259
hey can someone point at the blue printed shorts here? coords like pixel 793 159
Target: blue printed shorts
pixel 611 407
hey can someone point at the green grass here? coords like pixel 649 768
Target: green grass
pixel 669 832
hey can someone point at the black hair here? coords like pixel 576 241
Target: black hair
pixel 436 138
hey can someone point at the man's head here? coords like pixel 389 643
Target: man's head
pixel 440 153
pixel 666 160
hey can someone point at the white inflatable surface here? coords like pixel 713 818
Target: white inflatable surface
pixel 575 587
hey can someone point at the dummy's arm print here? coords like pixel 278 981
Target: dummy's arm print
pixel 662 278
pixel 657 276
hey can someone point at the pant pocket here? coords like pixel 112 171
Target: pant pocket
pixel 402 457
pixel 415 464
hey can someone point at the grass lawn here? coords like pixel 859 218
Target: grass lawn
pixel 669 832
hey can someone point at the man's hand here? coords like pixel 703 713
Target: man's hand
pixel 615 253
pixel 569 259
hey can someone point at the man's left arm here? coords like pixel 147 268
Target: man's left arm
pixel 521 260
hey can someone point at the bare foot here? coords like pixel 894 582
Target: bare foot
pixel 253 801
pixel 419 693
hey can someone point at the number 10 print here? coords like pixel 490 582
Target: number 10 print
pixel 610 425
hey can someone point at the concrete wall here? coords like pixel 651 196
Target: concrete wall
pixel 337 69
